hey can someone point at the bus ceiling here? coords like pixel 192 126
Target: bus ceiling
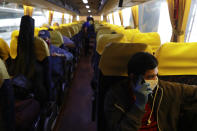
pixel 77 7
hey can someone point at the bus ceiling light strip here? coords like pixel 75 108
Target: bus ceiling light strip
pixel 85 1
pixel 87 6
pixel 89 10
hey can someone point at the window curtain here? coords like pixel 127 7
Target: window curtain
pixel 50 17
pixel 113 18
pixel 28 10
pixel 62 18
pixel 135 16
pixel 179 12
pixel 121 18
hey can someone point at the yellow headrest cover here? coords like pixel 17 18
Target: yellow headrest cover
pixel 3 72
pixel 130 33
pixel 101 27
pixel 4 49
pixel 177 59
pixel 13 44
pixel 115 57
pixel 41 48
pixel 105 39
pixel 152 39
pixel 103 31
pixel 56 38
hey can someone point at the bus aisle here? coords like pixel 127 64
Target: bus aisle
pixel 76 111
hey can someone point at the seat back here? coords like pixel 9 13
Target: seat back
pixel 4 50
pixel 152 39
pixel 56 38
pixel 105 39
pixel 113 69
pixel 178 63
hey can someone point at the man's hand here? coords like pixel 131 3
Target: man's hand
pixel 141 91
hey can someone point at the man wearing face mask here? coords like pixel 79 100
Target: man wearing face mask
pixel 144 103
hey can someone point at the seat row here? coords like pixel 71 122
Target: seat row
pixel 35 74
pixel 115 46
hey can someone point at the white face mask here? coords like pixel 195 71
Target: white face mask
pixel 153 83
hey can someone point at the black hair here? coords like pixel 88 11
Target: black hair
pixel 141 62
pixel 88 18
pixel 26 58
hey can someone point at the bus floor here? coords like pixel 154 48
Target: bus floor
pixel 76 111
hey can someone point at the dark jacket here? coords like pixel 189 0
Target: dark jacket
pixel 172 101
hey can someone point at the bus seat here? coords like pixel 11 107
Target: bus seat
pixel 36 31
pixel 177 62
pixel 105 39
pixel 113 68
pixel 4 50
pixel 46 26
pixel 56 38
pixel 130 33
pixel 115 57
pixel 103 31
pixel 41 49
pixel 13 44
pixel 7 117
pixel 3 72
pixel 101 27
pixel 65 31
pixel 152 39
pixel 177 59
pixel 71 30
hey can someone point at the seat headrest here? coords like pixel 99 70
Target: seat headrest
pixel 101 27
pixel 130 33
pixel 116 56
pixel 3 72
pixel 103 31
pixel 177 59
pixel 13 44
pixel 4 50
pixel 41 48
pixel 105 39
pixel 56 38
pixel 152 39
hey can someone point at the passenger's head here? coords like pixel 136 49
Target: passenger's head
pixel 143 64
pixel 88 18
pixel 45 35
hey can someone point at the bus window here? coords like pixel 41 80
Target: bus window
pixel 39 17
pixel 165 27
pixel 101 17
pixel 57 17
pixel 111 19
pixel 71 19
pixel 149 13
pixel 191 30
pixel 66 17
pixel 10 17
pixel 117 18
pixel 127 17
pixel 77 18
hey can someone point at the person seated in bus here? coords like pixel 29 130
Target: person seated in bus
pixel 144 103
pixel 54 51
